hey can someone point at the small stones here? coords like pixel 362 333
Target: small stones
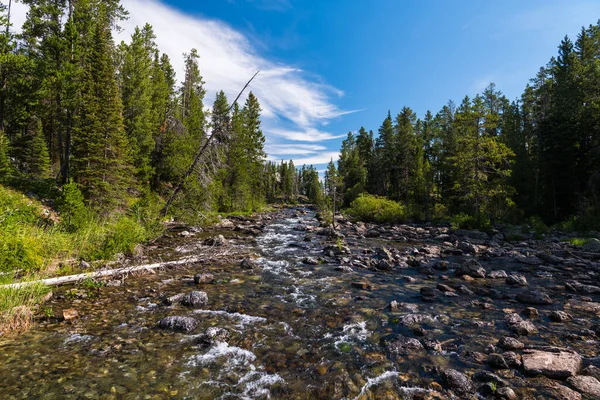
pixel 344 268
pixel 203 278
pixel 519 326
pixel 560 316
pixel 516 280
pixel 178 323
pixel 534 297
pixel 195 299
pixel 385 265
pixel 509 343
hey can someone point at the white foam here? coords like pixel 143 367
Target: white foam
pixel 242 319
pixel 354 332
pixel 77 338
pixel 375 381
pixel 236 356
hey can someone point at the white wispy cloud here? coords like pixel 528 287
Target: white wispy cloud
pixel 295 104
pixel 317 159
pixel 304 135
pixel 294 149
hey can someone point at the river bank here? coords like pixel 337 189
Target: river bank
pixel 294 310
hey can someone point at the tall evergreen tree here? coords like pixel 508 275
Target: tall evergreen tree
pixel 100 159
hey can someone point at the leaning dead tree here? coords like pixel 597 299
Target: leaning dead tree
pixel 200 154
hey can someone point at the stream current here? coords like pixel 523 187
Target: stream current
pixel 296 331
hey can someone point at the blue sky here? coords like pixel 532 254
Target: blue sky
pixel 331 66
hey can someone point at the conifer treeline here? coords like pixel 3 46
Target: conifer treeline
pixel 490 157
pixel 114 120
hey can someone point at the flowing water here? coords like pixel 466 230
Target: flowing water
pixel 296 331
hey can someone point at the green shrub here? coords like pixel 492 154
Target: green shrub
pixel 121 236
pixel 466 221
pixel 369 208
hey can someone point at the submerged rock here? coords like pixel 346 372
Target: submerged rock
pixel 534 297
pixel 588 385
pixel 402 345
pixel 178 323
pixel 558 365
pixel 203 278
pixel 215 335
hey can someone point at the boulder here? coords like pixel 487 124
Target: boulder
pixel 178 323
pixel 559 316
pixel 500 274
pixel 247 264
pixel 555 365
pixel 457 382
pixel 516 280
pixel 519 326
pixel 471 268
pixel 587 385
pixel 509 343
pixel 195 299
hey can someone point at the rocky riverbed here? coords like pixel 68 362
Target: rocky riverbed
pixel 283 308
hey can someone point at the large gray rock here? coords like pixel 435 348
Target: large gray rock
pixel 558 365
pixel 580 288
pixel 534 297
pixel 195 299
pixel 588 385
pixel 178 323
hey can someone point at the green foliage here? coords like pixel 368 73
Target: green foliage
pixel 72 207
pixel 466 221
pixel 6 168
pixel 118 237
pixel 370 208
pixel 576 241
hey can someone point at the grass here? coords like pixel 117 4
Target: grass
pixel 18 305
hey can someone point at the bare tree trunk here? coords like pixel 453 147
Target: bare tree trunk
pixel 179 186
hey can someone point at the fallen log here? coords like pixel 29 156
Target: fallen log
pixel 104 273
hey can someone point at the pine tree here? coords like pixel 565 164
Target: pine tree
pixel 254 155
pixel 137 95
pixel 36 158
pixel 100 159
pixel 6 168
